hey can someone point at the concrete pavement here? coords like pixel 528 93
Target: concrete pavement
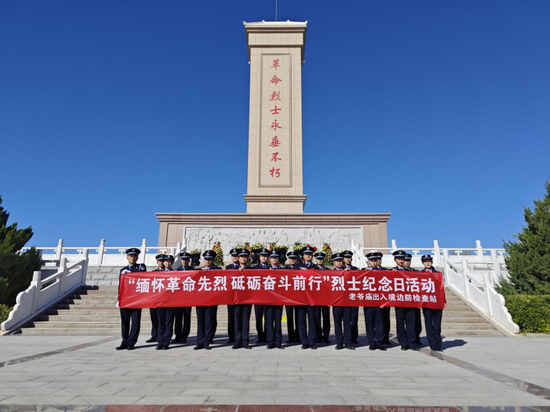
pixel 86 371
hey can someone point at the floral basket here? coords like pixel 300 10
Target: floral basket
pixel 218 260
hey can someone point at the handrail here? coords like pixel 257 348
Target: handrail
pixel 479 292
pixel 44 293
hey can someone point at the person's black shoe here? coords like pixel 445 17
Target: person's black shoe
pixel 339 346
pixel 122 347
pixel 207 347
pixel 386 341
pixel 372 347
pixel 150 340
pixel 314 347
pixel 418 342
pixel 271 346
pixel 305 346
pixel 130 347
pixel 405 347
pixel 236 346
pixel 414 348
pixel 439 349
pixel 198 347
pixel 280 346
pixel 326 341
pixel 246 346
pixel 165 348
pixel 350 347
pixel 176 341
pixel 381 347
pixel 355 341
pixel 158 347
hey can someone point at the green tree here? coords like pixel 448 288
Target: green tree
pixel 15 268
pixel 529 257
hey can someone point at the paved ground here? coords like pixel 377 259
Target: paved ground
pixel 474 371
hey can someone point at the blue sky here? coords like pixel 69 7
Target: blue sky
pixel 434 111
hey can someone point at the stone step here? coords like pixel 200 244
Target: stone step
pixel 69 332
pixel 92 311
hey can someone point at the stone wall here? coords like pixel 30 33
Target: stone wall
pixel 339 238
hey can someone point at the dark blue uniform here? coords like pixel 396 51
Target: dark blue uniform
pixel 165 319
pixel 273 327
pixel 342 320
pixel 374 323
pixel 130 318
pixel 313 318
pixel 259 312
pixel 241 318
pixel 206 322
pixel 405 319
pixel 432 321
pixel 292 317
pixel 354 313
pixel 417 318
pixel 154 320
pixel 182 318
pixel 231 311
pixel 323 318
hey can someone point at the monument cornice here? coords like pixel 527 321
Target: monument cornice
pixel 275 198
pixel 275 27
pixel 306 219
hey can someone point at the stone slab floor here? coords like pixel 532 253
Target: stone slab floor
pixel 85 373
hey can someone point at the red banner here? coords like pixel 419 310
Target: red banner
pixel 282 287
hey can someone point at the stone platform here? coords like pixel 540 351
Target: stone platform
pixel 86 373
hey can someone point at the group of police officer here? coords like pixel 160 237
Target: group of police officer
pixel 308 325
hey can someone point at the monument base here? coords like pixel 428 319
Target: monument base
pixel 202 230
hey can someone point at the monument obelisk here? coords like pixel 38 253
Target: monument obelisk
pixel 275 199
pixel 275 175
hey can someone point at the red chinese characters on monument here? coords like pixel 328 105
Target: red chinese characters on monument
pixel 275 142
pixel 275 96
pixel 275 173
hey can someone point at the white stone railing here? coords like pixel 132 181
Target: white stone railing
pixel 439 254
pixel 461 278
pixel 470 272
pixel 103 255
pixel 44 293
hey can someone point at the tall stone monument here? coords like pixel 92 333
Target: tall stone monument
pixel 275 200
pixel 276 52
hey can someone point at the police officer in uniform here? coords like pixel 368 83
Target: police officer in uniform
pixel 206 315
pixel 182 316
pixel 130 318
pixel 374 319
pixel 300 311
pixel 165 316
pixel 153 311
pixel 274 313
pixel 385 310
pixel 323 312
pixel 259 310
pixel 231 308
pixel 404 317
pixel 342 314
pixel 292 311
pixel 314 333
pixel 354 310
pixel 432 317
pixel 417 315
pixel 242 312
